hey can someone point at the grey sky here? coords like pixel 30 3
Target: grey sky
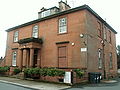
pixel 16 12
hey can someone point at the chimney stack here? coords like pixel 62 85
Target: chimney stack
pixel 66 1
pixel 63 6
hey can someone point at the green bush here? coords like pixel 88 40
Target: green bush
pixel 44 71
pixel 79 72
pixel 26 70
pixel 17 70
pixel 35 71
pixel 4 69
pixel 60 73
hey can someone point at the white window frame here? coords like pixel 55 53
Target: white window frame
pixel 45 13
pixel 99 58
pixel 35 31
pixel 14 57
pixel 62 25
pixel 111 61
pixel 16 36
pixel 105 33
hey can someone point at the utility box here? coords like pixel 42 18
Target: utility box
pixel 94 77
pixel 67 77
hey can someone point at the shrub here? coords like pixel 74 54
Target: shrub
pixel 60 73
pixel 79 72
pixel 51 72
pixel 4 69
pixel 26 70
pixel 44 71
pixel 35 71
pixel 17 70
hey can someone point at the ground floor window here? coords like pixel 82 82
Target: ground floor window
pixel 99 58
pixel 62 56
pixel 110 56
pixel 14 57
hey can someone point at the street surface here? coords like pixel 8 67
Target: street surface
pixel 18 83
pixel 101 86
pixel 5 86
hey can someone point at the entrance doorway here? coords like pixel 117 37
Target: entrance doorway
pixel 35 58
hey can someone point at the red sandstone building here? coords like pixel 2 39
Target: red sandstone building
pixel 64 38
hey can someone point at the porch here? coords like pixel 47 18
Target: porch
pixel 29 52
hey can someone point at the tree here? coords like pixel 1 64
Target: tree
pixel 118 56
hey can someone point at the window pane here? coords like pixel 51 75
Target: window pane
pixel 99 58
pixel 35 31
pixel 105 33
pixel 110 55
pixel 45 13
pixel 109 36
pixel 14 59
pixel 62 25
pixel 16 36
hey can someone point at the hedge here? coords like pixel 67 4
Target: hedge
pixel 4 69
pixel 44 71
pixel 79 72
pixel 17 70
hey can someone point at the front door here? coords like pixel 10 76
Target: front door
pixel 35 58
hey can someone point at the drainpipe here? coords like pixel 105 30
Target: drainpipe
pixel 103 44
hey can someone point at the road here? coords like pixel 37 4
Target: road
pixel 102 86
pixel 5 86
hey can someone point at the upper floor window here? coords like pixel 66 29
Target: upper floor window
pixel 45 13
pixel 110 56
pixel 15 36
pixel 105 33
pixel 35 31
pixel 99 29
pixel 99 58
pixel 14 57
pixel 62 25
pixel 109 36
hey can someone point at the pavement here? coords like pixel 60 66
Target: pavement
pixel 113 84
pixel 35 85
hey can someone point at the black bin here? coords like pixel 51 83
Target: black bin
pixel 94 77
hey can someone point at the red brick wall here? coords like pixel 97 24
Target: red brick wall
pixel 48 30
pixel 94 42
pixel 80 22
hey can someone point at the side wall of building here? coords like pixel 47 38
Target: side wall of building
pixel 95 42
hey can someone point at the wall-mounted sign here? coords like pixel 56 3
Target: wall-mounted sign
pixel 83 49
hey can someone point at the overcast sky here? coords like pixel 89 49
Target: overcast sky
pixel 16 12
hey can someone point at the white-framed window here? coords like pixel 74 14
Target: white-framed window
pixel 62 25
pixel 16 36
pixel 110 56
pixel 99 58
pixel 109 36
pixel 99 29
pixel 35 31
pixel 105 33
pixel 45 13
pixel 14 57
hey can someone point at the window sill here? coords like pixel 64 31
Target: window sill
pixel 62 33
